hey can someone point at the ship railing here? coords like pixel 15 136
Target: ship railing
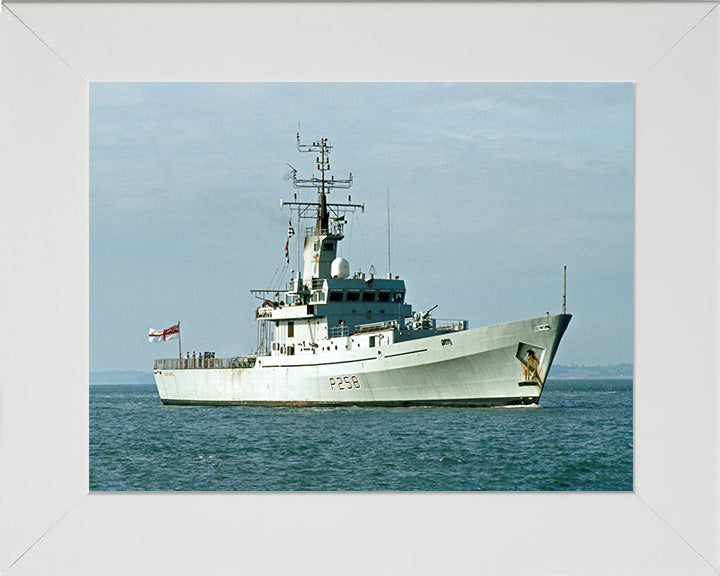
pixel 339 331
pixel 376 326
pixel 263 312
pixel 333 229
pixel 293 288
pixel 208 363
pixel 451 325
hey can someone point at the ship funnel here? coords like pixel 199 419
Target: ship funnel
pixel 340 268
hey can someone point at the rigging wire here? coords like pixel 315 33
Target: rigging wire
pixel 274 278
pixel 362 240
pixel 297 241
pixel 342 250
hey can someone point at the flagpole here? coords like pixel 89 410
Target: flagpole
pixel 179 342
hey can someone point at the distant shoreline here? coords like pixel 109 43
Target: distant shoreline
pixel 557 372
pixel 561 372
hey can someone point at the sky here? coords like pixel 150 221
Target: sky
pixel 493 188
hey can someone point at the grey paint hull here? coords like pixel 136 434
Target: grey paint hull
pixel 478 367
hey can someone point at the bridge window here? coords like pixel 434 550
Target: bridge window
pixel 368 296
pixel 372 341
pixel 383 296
pixel 352 296
pixel 335 296
pixel 398 297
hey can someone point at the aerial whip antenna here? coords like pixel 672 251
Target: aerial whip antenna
pixel 564 304
pixel 388 228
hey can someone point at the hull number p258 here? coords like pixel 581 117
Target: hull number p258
pixel 344 383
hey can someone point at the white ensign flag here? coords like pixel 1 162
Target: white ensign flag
pixel 172 333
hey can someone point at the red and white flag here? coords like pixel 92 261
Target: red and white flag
pixel 172 333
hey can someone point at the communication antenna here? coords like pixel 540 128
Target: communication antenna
pixel 323 184
pixel 388 228
pixel 564 304
pixel 291 173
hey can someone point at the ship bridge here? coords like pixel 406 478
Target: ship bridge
pixel 333 307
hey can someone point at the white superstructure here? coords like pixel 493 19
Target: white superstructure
pixel 332 338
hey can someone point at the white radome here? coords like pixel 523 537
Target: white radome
pixel 340 268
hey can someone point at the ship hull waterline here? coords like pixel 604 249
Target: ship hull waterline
pixel 476 367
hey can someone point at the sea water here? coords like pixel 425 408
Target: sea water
pixel 579 438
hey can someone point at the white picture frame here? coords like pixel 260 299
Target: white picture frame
pixel 49 523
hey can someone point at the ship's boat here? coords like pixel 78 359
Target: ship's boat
pixel 335 338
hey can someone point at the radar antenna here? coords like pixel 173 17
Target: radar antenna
pixel 324 185
pixel 290 173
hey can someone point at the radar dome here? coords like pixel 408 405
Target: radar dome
pixel 340 268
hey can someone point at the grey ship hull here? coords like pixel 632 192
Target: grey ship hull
pixel 478 367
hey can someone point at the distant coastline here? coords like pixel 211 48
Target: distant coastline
pixel 121 377
pixel 557 372
pixel 578 371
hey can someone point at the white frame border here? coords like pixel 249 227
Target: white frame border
pixel 48 522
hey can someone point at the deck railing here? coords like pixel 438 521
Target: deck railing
pixel 338 331
pixel 451 325
pixel 209 363
pixel 376 326
pixel 333 228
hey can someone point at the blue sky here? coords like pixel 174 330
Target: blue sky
pixel 493 188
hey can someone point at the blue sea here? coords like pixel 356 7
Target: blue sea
pixel 579 438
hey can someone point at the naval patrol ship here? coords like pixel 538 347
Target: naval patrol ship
pixel 330 338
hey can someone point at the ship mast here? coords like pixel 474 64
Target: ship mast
pixel 324 185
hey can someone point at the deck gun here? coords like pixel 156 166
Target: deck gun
pixel 422 320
